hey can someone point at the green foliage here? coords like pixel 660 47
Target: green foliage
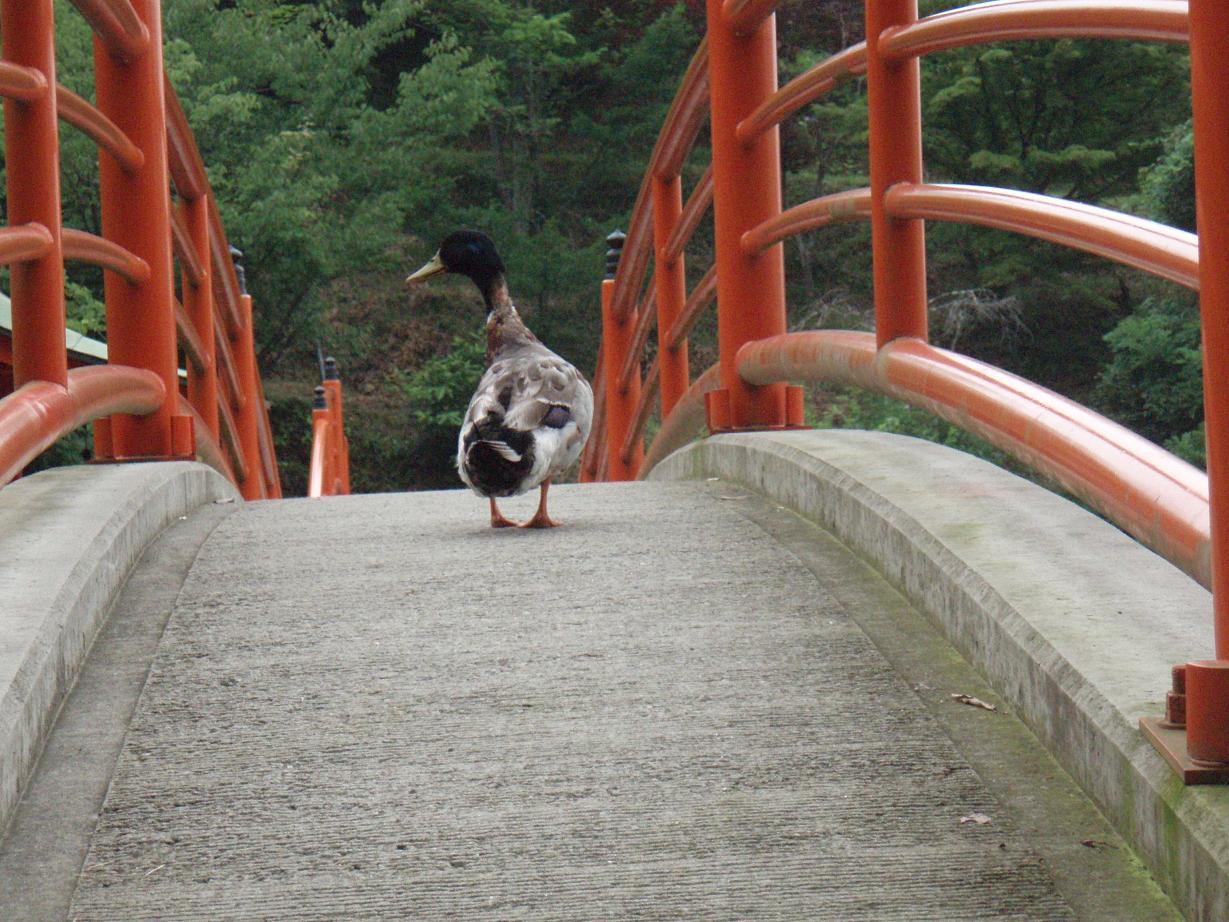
pixel 317 164
pixel 1153 380
pixel 1168 186
pixel 1191 446
pixel 86 314
pixel 439 390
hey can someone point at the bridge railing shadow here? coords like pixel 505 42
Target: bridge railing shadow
pixel 158 213
pixel 1165 503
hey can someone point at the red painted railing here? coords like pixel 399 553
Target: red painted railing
pixel 329 469
pixel 147 151
pixel 1165 503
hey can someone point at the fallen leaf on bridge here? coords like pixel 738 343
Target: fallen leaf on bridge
pixel 1095 843
pixel 974 702
pixel 979 818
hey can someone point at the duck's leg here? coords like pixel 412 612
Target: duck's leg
pixel 540 518
pixel 497 517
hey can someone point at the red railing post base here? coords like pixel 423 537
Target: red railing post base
pixel 183 443
pixel 1193 736
pixel 718 415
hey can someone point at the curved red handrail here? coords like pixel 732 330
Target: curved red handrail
pixel 1158 498
pixel 117 24
pixel 183 157
pixel 96 251
pixel 185 252
pixel 189 340
pixel 208 449
pixel 1165 251
pixel 678 133
pixel 646 319
pixel 683 121
pixel 805 88
pixel 37 414
pixel 101 130
pixel 684 422
pixel 225 282
pixel 820 212
pixel 1010 20
pixel 18 82
pixel 649 389
pixel 230 438
pixel 227 369
pixel 23 243
pixel 701 297
pixel 694 209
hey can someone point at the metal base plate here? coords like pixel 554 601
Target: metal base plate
pixel 1171 743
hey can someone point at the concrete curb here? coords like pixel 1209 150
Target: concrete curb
pixel 1073 622
pixel 68 539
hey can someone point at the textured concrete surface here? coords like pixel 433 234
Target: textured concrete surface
pixel 1075 624
pixel 379 708
pixel 50 830
pixel 68 539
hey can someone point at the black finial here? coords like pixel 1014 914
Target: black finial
pixel 236 257
pixel 330 369
pixel 615 241
pixel 320 402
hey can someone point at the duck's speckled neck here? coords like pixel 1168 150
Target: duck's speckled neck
pixel 504 327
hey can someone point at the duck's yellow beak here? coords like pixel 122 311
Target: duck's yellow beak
pixel 434 267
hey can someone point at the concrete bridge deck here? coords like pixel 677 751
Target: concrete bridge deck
pixel 687 703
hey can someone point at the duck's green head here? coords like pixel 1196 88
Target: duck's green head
pixel 467 252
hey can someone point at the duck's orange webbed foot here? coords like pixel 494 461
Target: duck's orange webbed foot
pixel 540 518
pixel 498 520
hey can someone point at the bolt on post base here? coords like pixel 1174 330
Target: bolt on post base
pixel 1193 736
pixel 718 417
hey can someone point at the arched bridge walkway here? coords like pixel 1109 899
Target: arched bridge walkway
pixel 689 702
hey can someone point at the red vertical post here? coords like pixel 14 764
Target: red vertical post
pixel 252 487
pixel 1207 692
pixel 337 426
pixel 671 281
pixel 136 214
pixel 746 192
pixel 893 91
pixel 320 477
pixel 617 336
pixel 32 149
pixel 198 303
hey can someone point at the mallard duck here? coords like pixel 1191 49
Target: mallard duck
pixel 530 416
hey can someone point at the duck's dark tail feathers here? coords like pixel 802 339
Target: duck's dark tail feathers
pixel 497 458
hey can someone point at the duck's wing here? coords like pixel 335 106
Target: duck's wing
pixel 545 390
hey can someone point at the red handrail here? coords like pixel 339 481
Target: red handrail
pixel 1165 503
pixel 1011 20
pixel 138 122
pixel 1165 251
pixel 38 413
pixel 1158 498
pixel 17 82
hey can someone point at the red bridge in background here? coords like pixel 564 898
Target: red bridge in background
pixel 1162 501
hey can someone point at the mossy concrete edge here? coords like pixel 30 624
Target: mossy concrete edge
pixel 1072 621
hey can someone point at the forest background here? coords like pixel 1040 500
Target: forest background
pixel 344 138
